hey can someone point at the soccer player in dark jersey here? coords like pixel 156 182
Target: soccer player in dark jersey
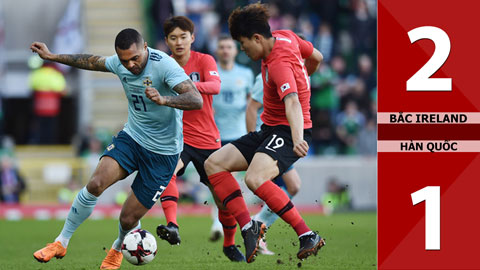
pixel 201 136
pixel 283 138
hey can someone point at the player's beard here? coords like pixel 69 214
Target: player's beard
pixel 138 71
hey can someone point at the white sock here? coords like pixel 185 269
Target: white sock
pixel 304 234
pixel 64 241
pixel 216 226
pixel 247 226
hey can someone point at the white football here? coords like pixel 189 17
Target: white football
pixel 139 247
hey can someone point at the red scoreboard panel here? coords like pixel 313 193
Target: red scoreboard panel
pixel 428 134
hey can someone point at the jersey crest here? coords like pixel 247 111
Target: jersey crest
pixel 147 82
pixel 194 76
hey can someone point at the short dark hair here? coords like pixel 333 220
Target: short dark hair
pixel 127 37
pixel 249 20
pixel 223 37
pixel 182 22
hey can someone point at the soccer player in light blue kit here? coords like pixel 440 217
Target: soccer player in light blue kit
pixel 229 106
pixel 231 103
pixel 150 142
pixel 289 181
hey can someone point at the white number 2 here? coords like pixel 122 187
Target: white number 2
pixel 431 196
pixel 158 193
pixel 421 80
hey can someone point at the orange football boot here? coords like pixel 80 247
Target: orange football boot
pixel 51 250
pixel 113 260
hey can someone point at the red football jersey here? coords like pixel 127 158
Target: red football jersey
pixel 199 128
pixel 284 72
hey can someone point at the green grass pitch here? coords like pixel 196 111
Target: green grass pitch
pixel 351 244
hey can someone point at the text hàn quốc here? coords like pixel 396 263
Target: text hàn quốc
pixel 430 146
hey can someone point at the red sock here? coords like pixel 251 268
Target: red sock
pixel 279 202
pixel 169 201
pixel 229 227
pixel 228 191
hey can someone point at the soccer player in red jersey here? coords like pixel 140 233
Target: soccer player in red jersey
pixel 201 136
pixel 283 138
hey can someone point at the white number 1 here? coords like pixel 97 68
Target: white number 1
pixel 431 196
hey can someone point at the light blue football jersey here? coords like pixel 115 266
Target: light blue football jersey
pixel 156 128
pixel 231 103
pixel 257 95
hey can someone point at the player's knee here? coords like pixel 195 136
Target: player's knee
pixel 293 189
pixel 253 181
pixel 95 186
pixel 212 165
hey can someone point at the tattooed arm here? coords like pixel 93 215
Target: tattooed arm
pixel 188 99
pixel 83 61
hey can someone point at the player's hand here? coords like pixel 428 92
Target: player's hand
pixel 155 96
pixel 300 148
pixel 41 49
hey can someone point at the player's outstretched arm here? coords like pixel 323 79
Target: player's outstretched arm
pixel 188 99
pixel 83 61
pixel 313 61
pixel 293 110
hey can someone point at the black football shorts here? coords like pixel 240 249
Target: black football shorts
pixel 197 156
pixel 275 141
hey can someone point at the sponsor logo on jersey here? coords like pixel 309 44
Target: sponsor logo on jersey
pixel 195 76
pixel 285 87
pixel 110 147
pixel 155 56
pixel 147 82
pixel 124 79
pixel 214 73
